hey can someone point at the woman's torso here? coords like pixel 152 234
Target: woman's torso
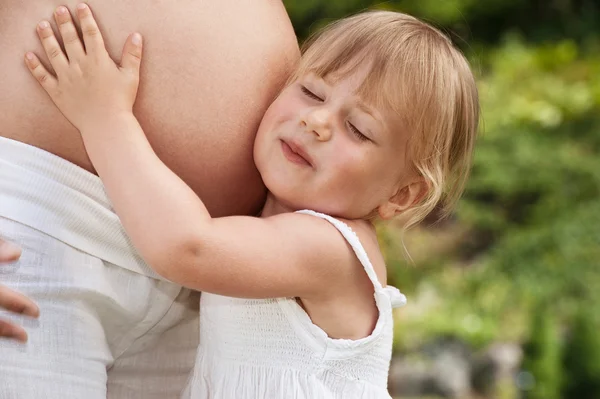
pixel 211 68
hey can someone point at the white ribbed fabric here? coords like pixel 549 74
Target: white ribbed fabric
pixel 52 195
pixel 109 328
pixel 263 349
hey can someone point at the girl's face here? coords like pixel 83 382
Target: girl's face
pixel 320 147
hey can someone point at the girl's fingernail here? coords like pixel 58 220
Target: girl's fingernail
pixel 29 56
pixel 136 39
pixel 61 10
pixel 44 24
pixel 81 6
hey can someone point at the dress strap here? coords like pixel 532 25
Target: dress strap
pixel 397 299
pixel 354 242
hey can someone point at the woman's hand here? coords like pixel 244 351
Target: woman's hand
pixel 13 301
pixel 88 86
pixel 9 252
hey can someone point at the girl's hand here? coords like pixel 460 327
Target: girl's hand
pixel 88 86
pixel 13 301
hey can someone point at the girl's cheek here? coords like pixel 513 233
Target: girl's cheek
pixel 348 161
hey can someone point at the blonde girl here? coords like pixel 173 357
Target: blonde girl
pixel 377 122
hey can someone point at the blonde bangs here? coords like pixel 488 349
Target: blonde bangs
pixel 415 72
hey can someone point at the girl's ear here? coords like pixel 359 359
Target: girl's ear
pixel 404 198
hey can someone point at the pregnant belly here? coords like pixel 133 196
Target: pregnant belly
pixel 210 70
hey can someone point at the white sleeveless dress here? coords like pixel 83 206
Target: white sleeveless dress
pixel 270 349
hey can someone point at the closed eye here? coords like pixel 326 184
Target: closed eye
pixel 357 132
pixel 310 94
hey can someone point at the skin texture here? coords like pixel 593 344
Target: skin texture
pixel 199 109
pixel 280 254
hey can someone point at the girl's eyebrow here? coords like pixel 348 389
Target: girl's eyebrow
pixel 319 79
pixel 375 116
pixel 366 109
pixel 362 106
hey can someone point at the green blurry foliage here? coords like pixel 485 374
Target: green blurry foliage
pixel 473 21
pixel 527 232
pixel 582 357
pixel 542 356
pixel 528 228
pixel 532 201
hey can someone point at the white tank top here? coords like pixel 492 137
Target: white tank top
pixel 269 348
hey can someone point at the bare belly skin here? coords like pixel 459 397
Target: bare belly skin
pixel 210 70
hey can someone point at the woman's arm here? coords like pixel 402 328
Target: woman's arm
pixel 13 301
pixel 286 255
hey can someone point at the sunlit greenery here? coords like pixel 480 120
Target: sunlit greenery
pixel 525 239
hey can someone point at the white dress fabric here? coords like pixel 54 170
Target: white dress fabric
pixel 269 348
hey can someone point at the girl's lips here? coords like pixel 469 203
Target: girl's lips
pixel 295 154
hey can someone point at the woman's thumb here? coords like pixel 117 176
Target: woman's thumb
pixel 132 53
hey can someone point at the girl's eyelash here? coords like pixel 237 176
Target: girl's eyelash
pixel 353 128
pixel 357 133
pixel 310 94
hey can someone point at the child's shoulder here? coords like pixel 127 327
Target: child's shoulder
pixel 364 231
pixel 346 308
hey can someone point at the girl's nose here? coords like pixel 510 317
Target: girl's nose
pixel 318 122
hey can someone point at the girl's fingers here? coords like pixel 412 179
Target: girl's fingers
pixel 40 73
pixel 132 54
pixel 67 30
pixel 9 330
pixel 91 34
pixel 17 303
pixel 57 58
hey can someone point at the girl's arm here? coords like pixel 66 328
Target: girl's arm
pixel 286 255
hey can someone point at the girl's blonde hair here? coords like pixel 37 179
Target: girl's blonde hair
pixel 415 71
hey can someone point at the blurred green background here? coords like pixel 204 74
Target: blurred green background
pixel 504 297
